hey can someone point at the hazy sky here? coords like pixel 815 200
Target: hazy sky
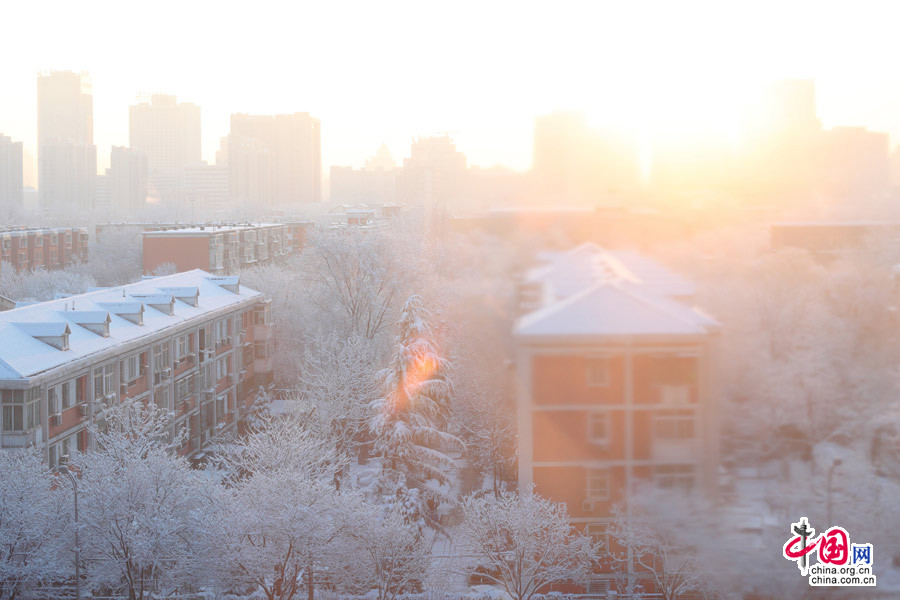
pixel 386 71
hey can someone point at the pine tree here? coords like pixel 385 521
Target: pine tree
pixel 410 418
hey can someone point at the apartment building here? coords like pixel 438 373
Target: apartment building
pixel 49 248
pixel 216 248
pixel 613 384
pixel 193 343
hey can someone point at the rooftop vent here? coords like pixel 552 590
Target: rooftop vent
pixel 96 321
pixel 130 311
pixel 55 334
pixel 164 303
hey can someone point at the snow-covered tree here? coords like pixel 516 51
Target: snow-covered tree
pixel 489 430
pixel 148 518
pixel 662 550
pixel 523 542
pixel 410 419
pixel 280 443
pixel 283 527
pixel 35 537
pixel 354 278
pixel 43 285
pixel 389 554
pixel 337 385
pixel 115 256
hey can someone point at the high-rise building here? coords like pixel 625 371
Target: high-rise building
pixel 67 156
pixel 375 184
pixel 128 180
pixel 291 144
pixel 168 134
pixel 250 173
pixel 11 185
pixel 433 173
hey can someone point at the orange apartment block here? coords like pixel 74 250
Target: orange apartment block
pixel 218 249
pixel 193 343
pixel 49 248
pixel 613 385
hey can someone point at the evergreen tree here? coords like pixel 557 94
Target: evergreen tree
pixel 410 417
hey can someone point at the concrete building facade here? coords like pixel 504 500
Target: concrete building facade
pixel 275 159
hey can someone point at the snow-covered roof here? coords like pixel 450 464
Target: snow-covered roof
pixel 570 272
pixel 590 292
pixel 209 229
pixel 23 355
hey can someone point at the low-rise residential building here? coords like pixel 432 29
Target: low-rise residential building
pixel 613 384
pixel 193 343
pixel 216 248
pixel 46 248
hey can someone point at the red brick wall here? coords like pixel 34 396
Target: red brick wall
pixel 185 253
pixel 563 380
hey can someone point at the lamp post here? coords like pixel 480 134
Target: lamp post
pixel 835 464
pixel 65 470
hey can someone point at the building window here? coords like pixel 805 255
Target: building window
pixel 21 409
pixel 184 388
pixel 674 425
pixel 599 533
pixel 221 406
pixel 54 239
pixel 182 348
pixel 222 367
pixel 261 316
pixel 597 372
pixel 131 368
pixel 103 381
pixel 223 327
pixel 80 389
pixel 598 428
pixel 597 485
pixel 259 350
pixel 38 241
pixel 161 397
pixel 161 358
pixel 674 477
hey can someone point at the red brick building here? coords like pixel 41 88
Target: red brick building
pixel 217 248
pixel 49 248
pixel 613 384
pixel 193 343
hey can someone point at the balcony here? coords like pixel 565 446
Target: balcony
pixel 22 439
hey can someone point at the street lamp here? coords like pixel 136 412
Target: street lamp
pixel 835 464
pixel 65 470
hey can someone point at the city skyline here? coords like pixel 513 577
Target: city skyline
pixel 415 80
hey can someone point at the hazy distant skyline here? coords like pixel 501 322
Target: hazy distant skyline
pixel 386 72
